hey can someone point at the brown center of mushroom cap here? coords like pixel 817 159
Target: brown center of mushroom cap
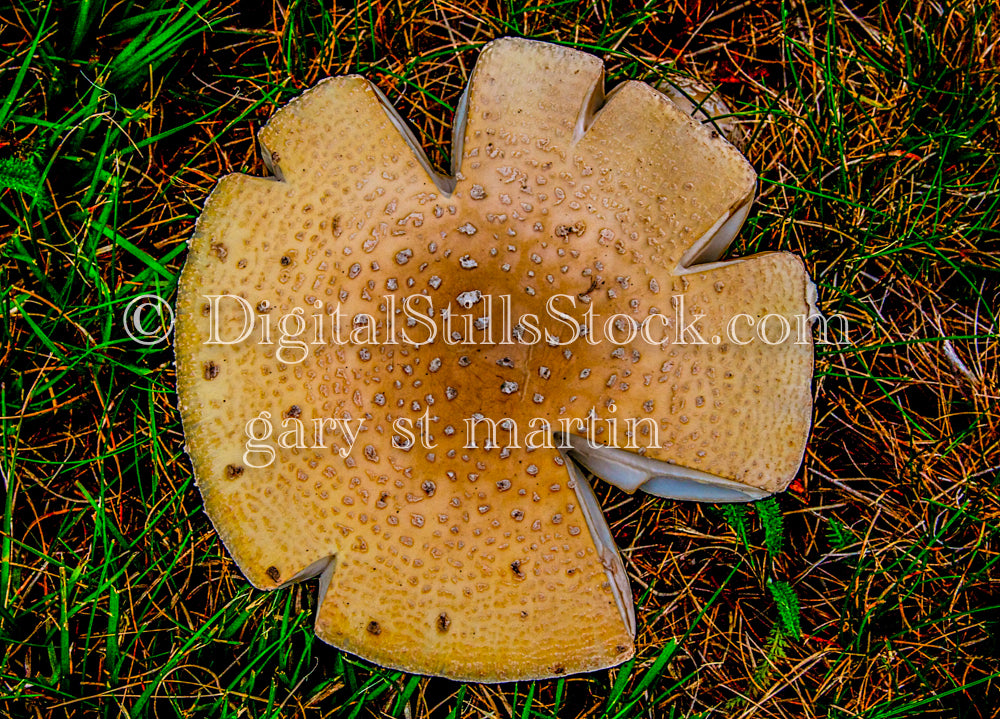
pixel 440 546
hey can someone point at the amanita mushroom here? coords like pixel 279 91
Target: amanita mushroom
pixel 490 562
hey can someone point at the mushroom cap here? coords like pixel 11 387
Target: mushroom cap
pixel 705 105
pixel 440 554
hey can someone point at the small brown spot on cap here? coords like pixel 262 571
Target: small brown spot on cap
pixel 233 471
pixel 594 284
pixel 211 370
pixel 429 487
pixel 443 622
pixel 558 669
pixel 286 260
pixel 220 251
pixel 273 573
pixel 294 412
pixel 515 567
pixel 374 628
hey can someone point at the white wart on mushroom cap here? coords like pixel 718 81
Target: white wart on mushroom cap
pixel 485 563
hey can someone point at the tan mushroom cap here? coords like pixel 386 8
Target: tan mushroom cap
pixel 484 563
pixel 705 104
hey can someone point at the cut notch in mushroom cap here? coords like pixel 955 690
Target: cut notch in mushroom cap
pixel 485 563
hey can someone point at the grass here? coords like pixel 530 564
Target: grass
pixel 871 589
